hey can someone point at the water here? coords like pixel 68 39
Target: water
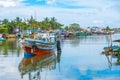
pixel 80 59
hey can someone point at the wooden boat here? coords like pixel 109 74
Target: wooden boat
pixel 37 63
pixel 114 49
pixel 36 51
pixel 39 43
pixel 114 45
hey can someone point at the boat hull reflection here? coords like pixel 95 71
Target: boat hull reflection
pixel 36 63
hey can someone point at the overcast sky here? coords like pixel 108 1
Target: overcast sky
pixel 84 12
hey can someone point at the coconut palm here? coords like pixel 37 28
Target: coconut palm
pixel 32 23
pixel 5 22
pixel 46 23
pixel 53 22
pixel 19 23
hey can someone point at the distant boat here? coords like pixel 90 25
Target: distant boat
pixel 81 34
pixel 63 34
pixel 1 38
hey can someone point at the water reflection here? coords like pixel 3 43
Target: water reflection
pixel 81 60
pixel 9 47
pixel 32 65
pixel 109 59
pixel 58 58
pixel 74 41
pixel 110 55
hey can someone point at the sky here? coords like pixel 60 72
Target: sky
pixel 86 13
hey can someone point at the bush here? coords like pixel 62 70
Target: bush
pixel 3 30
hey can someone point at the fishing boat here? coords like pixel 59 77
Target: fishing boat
pixel 79 34
pixel 36 64
pixel 113 49
pixel 41 42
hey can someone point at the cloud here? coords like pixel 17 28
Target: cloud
pixel 98 21
pixel 86 13
pixel 50 2
pixel 115 7
pixel 7 3
pixel 10 3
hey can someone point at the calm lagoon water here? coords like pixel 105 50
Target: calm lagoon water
pixel 80 59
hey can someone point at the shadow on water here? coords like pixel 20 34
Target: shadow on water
pixel 33 65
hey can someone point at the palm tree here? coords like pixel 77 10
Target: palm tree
pixel 5 22
pixel 32 22
pixel 66 28
pixel 12 26
pixel 46 23
pixel 58 25
pixel 46 19
pixel 53 22
pixel 18 23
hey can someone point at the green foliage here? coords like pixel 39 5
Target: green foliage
pixel 46 24
pixel 3 30
pixel 73 27
pixel 107 28
pixel 67 28
pixel 50 23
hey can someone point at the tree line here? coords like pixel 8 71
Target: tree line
pixel 24 24
pixel 9 26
